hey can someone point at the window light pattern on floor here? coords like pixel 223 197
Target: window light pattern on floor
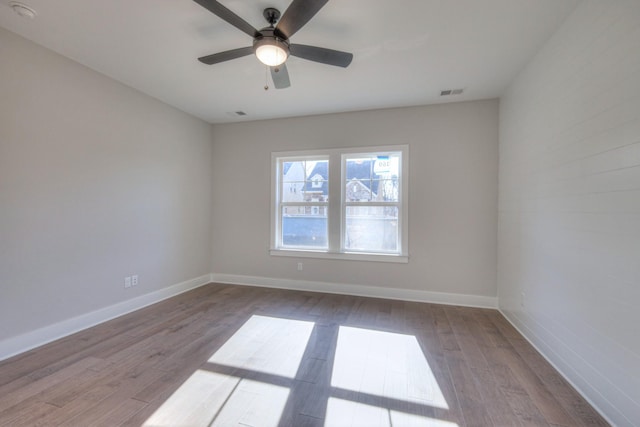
pixel 384 364
pixel 369 378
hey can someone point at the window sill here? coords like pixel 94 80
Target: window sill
pixel 344 256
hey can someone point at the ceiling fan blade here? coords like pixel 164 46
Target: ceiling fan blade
pixel 280 76
pixel 322 55
pixel 224 13
pixel 226 55
pixel 297 15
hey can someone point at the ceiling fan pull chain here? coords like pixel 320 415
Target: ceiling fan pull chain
pixel 266 77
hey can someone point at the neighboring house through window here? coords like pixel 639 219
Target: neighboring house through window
pixel 341 203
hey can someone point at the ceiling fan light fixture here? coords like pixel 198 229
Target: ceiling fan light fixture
pixel 271 51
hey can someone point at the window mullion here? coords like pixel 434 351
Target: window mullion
pixel 372 204
pixel 304 203
pixel 335 195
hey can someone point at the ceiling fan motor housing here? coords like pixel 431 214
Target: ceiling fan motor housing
pixel 271 47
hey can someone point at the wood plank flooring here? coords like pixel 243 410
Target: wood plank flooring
pixel 225 355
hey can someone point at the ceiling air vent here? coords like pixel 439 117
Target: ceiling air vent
pixel 449 92
pixel 236 113
pixel 22 9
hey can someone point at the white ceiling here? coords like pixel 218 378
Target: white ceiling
pixel 405 51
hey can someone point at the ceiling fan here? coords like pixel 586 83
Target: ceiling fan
pixel 271 44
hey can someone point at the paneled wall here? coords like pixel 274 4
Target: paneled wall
pixel 569 215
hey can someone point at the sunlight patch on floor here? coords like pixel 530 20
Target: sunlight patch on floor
pixel 210 399
pixel 253 404
pixel 263 344
pixel 266 344
pixel 196 402
pixel 346 413
pixel 385 364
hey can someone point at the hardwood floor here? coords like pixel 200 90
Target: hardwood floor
pixel 230 355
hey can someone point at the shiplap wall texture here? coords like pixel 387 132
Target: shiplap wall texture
pixel 569 209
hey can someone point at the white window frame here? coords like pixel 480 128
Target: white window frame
pixel 278 204
pixel 336 205
pixel 344 204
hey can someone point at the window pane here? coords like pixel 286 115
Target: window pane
pixel 357 191
pixel 372 228
pixel 293 171
pixel 305 181
pixel 385 190
pixel 317 182
pixel 304 227
pixel 359 172
pixel 372 178
pixel 360 168
pixel 293 191
pixel 386 166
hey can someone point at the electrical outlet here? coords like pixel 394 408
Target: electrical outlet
pixel 299 266
pixel 522 299
pixel 134 280
pixel 127 282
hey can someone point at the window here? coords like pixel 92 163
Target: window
pixel 341 203
pixel 302 204
pixel 370 202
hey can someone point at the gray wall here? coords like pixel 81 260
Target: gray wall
pixel 97 182
pixel 452 205
pixel 569 239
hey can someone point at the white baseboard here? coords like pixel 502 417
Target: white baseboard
pixel 560 365
pixel 360 290
pixel 21 343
